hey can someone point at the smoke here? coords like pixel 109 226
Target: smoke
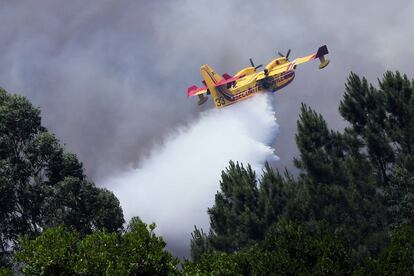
pixel 110 76
pixel 176 184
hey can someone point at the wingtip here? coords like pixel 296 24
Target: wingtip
pixel 191 90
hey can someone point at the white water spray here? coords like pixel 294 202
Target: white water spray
pixel 176 184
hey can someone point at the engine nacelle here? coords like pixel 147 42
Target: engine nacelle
pixel 275 62
pixel 246 71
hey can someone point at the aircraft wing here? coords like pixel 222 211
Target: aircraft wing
pixel 323 50
pixel 304 59
pixel 194 90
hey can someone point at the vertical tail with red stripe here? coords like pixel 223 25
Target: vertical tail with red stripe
pixel 211 78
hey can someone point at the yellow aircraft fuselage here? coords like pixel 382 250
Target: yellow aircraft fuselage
pixel 247 86
pixel 226 90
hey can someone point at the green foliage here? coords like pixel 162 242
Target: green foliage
pixel 97 254
pixel 58 251
pixel 144 251
pixel 398 257
pixel 200 244
pixel 5 271
pixel 274 194
pixel 81 206
pixel 218 263
pixel 287 249
pixel 41 185
pixel 350 210
pixel 244 208
pixel 339 192
pixel 356 185
pixel 234 218
pixel 306 249
pixel 398 94
pixel 320 149
pixel 5 263
pixel 51 253
pixel 400 196
pixel 363 107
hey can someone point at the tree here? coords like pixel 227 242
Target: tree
pixel 321 150
pixel 288 249
pixel 309 248
pixel 356 184
pixel 51 253
pixel 275 192
pixel 217 263
pixel 234 218
pixel 200 244
pixel 400 197
pixel 342 181
pixel 19 125
pixel 398 94
pixel 59 251
pixel 363 107
pixel 81 206
pixel 398 257
pixel 144 251
pixel 41 184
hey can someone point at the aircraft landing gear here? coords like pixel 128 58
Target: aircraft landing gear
pixel 201 99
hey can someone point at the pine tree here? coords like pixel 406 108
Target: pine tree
pixel 363 107
pixel 357 183
pixel 340 193
pixel 398 94
pixel 200 244
pixel 400 198
pixel 275 193
pixel 234 218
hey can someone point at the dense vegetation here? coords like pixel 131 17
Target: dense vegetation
pixel 137 251
pixel 349 211
pixel 41 185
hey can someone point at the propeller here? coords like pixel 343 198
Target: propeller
pixel 255 67
pixel 287 54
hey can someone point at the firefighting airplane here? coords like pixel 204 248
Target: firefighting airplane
pixel 226 90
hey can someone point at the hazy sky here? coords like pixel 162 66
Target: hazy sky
pixel 111 76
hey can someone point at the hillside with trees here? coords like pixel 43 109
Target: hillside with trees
pixel 349 211
pixel 42 185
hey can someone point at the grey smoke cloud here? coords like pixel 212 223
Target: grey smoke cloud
pixel 178 181
pixel 111 76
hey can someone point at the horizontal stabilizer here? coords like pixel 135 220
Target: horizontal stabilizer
pixel 194 90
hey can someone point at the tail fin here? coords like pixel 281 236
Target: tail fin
pixel 322 51
pixel 211 78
